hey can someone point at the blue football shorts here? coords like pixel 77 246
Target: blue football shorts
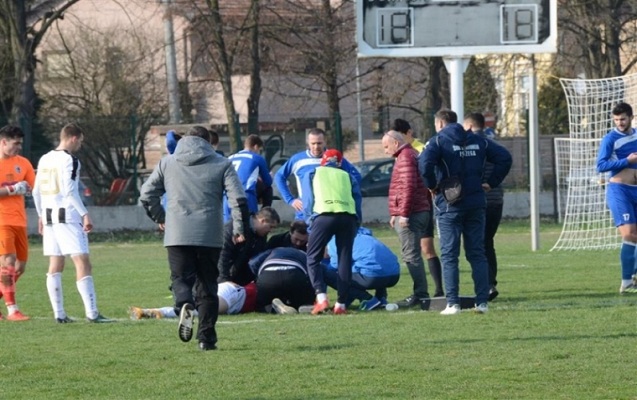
pixel 622 203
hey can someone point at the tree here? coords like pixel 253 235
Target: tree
pixel 221 36
pixel 598 37
pixel 255 70
pixel 23 24
pixel 107 81
pixel 312 47
pixel 552 107
pixel 479 87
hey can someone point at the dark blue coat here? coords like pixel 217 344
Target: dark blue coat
pixel 454 151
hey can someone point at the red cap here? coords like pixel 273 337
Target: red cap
pixel 332 156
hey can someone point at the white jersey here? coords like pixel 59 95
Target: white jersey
pixel 56 195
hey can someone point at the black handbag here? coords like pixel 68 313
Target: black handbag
pixel 451 189
pixel 451 186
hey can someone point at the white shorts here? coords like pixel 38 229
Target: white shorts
pixel 64 240
pixel 233 294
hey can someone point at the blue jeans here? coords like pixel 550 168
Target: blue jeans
pixel 468 224
pixel 411 252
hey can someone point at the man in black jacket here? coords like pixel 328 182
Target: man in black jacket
pixel 474 122
pixel 233 262
pixel 296 237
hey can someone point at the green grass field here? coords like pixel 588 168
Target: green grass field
pixel 559 330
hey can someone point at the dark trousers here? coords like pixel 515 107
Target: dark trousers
pixel 289 284
pixel 196 267
pixel 493 216
pixel 343 226
pixel 360 284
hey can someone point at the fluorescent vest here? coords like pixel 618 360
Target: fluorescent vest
pixel 332 189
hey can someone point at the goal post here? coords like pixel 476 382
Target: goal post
pixel 587 222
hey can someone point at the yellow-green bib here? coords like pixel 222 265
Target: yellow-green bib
pixel 332 191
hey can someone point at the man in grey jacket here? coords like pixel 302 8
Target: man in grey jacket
pixel 194 179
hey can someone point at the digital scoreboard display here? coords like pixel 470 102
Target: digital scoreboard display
pixel 427 28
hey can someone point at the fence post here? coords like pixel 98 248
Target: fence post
pixel 338 132
pixel 133 128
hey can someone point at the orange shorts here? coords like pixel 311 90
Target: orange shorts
pixel 14 240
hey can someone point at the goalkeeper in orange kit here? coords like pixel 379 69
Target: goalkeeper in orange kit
pixel 17 177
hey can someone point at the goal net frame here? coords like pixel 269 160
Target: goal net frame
pixel 581 200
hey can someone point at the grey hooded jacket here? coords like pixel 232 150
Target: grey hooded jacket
pixel 194 179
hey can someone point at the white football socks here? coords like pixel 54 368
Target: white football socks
pixel 87 291
pixel 168 312
pixel 340 305
pixel 54 287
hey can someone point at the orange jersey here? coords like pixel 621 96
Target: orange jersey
pixel 12 170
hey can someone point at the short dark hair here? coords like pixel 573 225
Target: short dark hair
pixel 11 132
pixel 448 116
pixel 401 126
pixel 623 108
pixel 316 131
pixel 476 120
pixel 199 131
pixel 269 214
pixel 214 137
pixel 299 226
pixel 253 140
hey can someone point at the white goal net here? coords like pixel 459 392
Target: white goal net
pixel 587 222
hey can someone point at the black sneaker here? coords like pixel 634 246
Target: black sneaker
pixel 411 301
pixel 493 293
pixel 186 317
pixel 65 320
pixel 100 319
pixel 205 346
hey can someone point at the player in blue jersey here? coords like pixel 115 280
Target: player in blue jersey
pixel 374 266
pixel 303 162
pixel 618 156
pixel 250 166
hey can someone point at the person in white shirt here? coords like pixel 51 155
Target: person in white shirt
pixel 64 223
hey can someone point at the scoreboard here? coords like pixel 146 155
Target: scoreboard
pixel 427 28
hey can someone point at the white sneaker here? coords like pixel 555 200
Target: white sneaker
pixel 306 309
pixel 481 308
pixel 280 307
pixel 186 317
pixel 630 288
pixel 452 309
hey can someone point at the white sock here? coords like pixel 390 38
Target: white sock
pixel 87 291
pixel 340 305
pixel 626 282
pixel 168 312
pixel 320 297
pixel 12 308
pixel 54 287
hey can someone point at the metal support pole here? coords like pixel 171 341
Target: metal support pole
pixel 534 160
pixel 361 142
pixel 174 108
pixel 456 66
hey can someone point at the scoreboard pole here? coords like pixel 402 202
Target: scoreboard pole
pixel 456 66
